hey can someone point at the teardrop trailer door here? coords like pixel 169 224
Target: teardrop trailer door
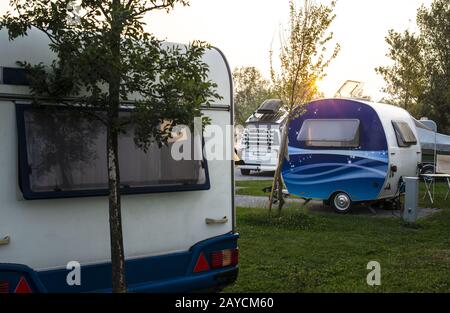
pixel 178 217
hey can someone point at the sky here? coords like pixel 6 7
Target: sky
pixel 246 30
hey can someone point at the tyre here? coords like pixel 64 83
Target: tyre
pixel 245 172
pixel 341 202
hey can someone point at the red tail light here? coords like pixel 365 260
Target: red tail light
pixel 4 287
pixel 229 257
pixel 202 264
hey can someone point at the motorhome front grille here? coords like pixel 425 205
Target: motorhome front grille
pixel 262 139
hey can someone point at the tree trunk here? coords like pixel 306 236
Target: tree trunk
pixel 277 176
pixel 280 194
pixel 115 216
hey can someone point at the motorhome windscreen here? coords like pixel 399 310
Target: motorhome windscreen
pixel 330 133
pixel 404 134
pixel 65 155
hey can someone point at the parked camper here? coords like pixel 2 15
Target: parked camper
pixel 432 144
pixel 346 151
pixel 178 216
pixel 260 141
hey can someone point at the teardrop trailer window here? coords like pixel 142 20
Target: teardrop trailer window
pixel 62 155
pixel 330 133
pixel 404 134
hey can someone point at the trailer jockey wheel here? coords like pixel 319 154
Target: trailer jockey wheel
pixel 341 202
pixel 245 172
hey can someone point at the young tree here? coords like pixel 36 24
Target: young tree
pixel 103 56
pixel 419 77
pixel 250 90
pixel 303 60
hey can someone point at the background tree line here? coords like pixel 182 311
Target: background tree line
pixel 419 77
pixel 250 90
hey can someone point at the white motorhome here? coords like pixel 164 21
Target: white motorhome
pixel 260 142
pixel 178 216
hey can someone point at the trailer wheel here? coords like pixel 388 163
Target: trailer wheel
pixel 245 171
pixel 341 202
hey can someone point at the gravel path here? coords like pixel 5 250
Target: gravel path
pixel 259 202
pixel 317 206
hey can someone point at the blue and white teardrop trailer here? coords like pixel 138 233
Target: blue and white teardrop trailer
pixel 346 151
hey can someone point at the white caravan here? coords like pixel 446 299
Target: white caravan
pixel 260 142
pixel 178 216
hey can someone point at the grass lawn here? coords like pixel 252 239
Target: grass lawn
pixel 313 252
pixel 252 187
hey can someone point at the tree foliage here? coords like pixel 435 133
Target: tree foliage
pixel 406 79
pixel 303 60
pixel 104 56
pixel 419 77
pixel 303 55
pixel 250 90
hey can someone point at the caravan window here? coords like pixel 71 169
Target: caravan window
pixel 330 133
pixel 404 134
pixel 63 156
pixel 13 76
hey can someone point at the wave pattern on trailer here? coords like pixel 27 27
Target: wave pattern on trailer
pixel 315 174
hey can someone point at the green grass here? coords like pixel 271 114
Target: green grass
pixel 305 252
pixel 252 187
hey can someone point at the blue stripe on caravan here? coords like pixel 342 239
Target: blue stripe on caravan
pixel 163 273
pixel 372 155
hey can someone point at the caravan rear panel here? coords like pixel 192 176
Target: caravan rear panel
pixel 167 232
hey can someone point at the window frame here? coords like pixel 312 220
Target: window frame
pixel 358 132
pixel 29 194
pixel 401 143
